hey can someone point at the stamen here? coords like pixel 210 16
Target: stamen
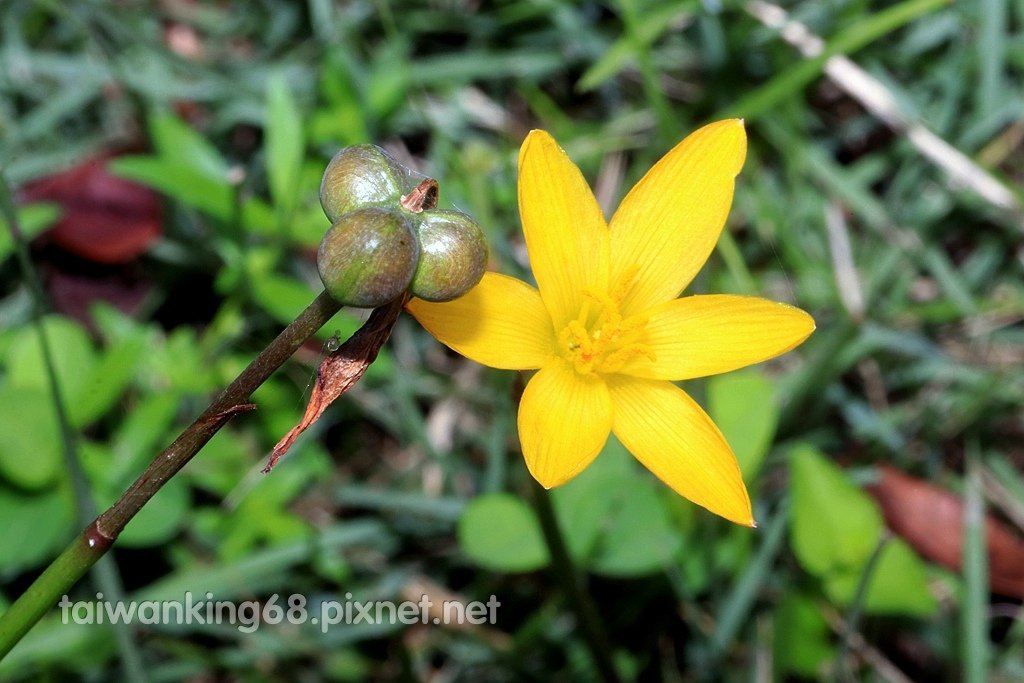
pixel 605 343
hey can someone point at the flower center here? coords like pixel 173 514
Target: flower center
pixel 599 339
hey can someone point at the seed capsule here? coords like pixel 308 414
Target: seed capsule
pixel 361 176
pixel 453 255
pixel 368 257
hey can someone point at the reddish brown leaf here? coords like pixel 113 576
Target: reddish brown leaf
pixel 105 219
pixel 340 370
pixel 931 520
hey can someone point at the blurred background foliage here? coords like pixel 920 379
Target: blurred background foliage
pixel 229 112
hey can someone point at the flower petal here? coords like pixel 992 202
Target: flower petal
pixel 566 235
pixel 564 421
pixel 670 221
pixel 676 440
pixel 704 335
pixel 501 322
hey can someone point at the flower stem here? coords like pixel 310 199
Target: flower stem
pixel 89 546
pixel 589 621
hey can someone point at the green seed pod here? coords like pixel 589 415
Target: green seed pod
pixel 368 257
pixel 361 176
pixel 453 255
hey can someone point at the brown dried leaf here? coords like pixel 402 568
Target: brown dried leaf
pixel 105 219
pixel 340 370
pixel 931 520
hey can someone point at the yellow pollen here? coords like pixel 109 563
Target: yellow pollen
pixel 599 339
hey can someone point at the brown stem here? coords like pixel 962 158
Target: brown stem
pixel 231 401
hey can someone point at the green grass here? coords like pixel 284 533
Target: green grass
pixel 927 376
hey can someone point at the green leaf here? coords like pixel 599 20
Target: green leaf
pixel 898 585
pixel 641 538
pixel 389 81
pixel 72 351
pixel 835 525
pixel 802 642
pixel 584 505
pixel 34 527
pixel 32 219
pixel 180 182
pixel 498 531
pixel 258 217
pixel 106 381
pixel 341 119
pixel 623 51
pixel 143 433
pixel 788 82
pixel 179 364
pixel 30 448
pixel 223 458
pixel 180 144
pixel 744 407
pixel 263 513
pixel 308 225
pixel 284 145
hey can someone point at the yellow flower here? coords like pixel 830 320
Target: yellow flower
pixel 604 329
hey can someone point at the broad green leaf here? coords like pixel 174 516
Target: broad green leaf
pixel 32 219
pixel 106 381
pixel 498 531
pixel 898 585
pixel 835 525
pixel 743 406
pixel 30 448
pixel 585 504
pixel 115 326
pixel 182 145
pixel 70 347
pixel 802 642
pixel 285 145
pixel 307 226
pixel 258 217
pixel 34 527
pixel 180 182
pixel 179 364
pixel 641 538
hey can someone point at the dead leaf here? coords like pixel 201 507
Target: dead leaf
pixel 931 520
pixel 340 370
pixel 104 219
